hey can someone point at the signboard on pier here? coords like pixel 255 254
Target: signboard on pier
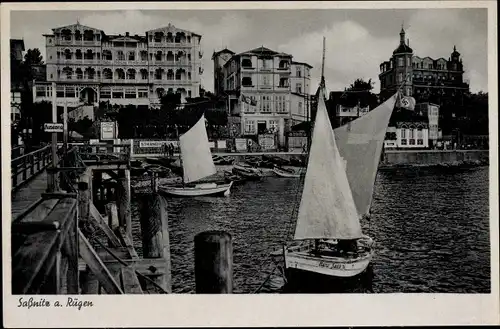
pixel 240 144
pixel 109 130
pixel 53 127
pixel 156 143
pixel 267 141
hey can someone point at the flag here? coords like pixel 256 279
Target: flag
pixel 407 102
pixel 248 100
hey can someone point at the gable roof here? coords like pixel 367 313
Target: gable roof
pixel 225 50
pixel 172 28
pixel 263 51
pixel 77 26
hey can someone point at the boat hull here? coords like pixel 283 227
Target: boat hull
pixel 197 190
pixel 285 174
pixel 248 173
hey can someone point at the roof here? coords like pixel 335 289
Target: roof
pixel 263 51
pixel 15 42
pixel 302 63
pixel 125 38
pixel 402 48
pixel 172 28
pixel 225 50
pixel 78 26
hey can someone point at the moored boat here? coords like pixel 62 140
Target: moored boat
pixel 328 243
pixel 197 164
pixel 247 171
pixel 286 172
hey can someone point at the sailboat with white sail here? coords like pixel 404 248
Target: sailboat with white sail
pixel 337 193
pixel 197 163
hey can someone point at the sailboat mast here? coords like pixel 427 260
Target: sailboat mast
pixel 180 156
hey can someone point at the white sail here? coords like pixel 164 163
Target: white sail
pixel 327 208
pixel 360 144
pixel 196 157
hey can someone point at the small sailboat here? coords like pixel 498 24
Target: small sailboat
pixel 197 163
pixel 338 187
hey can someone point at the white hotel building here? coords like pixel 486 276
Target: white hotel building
pixel 89 66
pixel 277 85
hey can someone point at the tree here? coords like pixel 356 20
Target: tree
pixel 361 85
pixel 33 57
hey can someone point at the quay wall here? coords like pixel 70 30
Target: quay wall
pixel 433 157
pixel 389 158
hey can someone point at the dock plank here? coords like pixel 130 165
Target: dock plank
pixel 27 194
pixel 130 281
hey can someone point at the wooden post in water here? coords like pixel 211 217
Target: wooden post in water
pixel 154 182
pixel 155 239
pixel 83 201
pixel 213 254
pixel 123 201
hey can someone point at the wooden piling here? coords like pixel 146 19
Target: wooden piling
pixel 83 201
pixel 155 238
pixel 123 201
pixel 154 182
pixel 213 253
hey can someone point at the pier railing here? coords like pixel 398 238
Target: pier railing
pixel 29 165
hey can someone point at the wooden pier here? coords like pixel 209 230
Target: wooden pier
pixel 72 231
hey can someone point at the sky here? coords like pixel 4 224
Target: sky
pixel 357 40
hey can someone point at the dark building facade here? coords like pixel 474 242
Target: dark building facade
pixel 439 81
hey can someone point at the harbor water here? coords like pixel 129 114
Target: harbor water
pixel 431 229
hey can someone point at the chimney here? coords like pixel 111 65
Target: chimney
pixel 126 34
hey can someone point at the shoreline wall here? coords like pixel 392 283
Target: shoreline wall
pixel 432 157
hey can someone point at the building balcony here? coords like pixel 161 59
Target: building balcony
pixel 248 68
pixel 170 44
pixel 183 82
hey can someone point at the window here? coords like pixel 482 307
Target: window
pixel 298 88
pixel 60 91
pixel 131 74
pixel 265 105
pixel 403 142
pixel 144 74
pixel 107 55
pixel 283 83
pixel 412 135
pixel 142 92
pixel 401 62
pixel 280 104
pixel 130 93
pixel 120 74
pixel 298 72
pixel 420 142
pixel 79 74
pixel 400 78
pixel 170 75
pixel 249 126
pixel 70 91
pixel 105 92
pixel 301 111
pixel 246 82
pixel 189 75
pixel 88 54
pixel 67 54
pixel 78 54
pixel 403 133
pixel 246 63
pixel 158 36
pixel 178 74
pixel 131 56
pixel 170 56
pixel 265 80
pixel 158 74
pixel 88 35
pixel 412 142
pixel 66 35
pixel 40 91
pixel 158 56
pixel 144 55
pixel 68 72
pixel 419 133
pixel 408 61
pixel 283 64
pixel 117 92
pixel 107 74
pixel 120 55
pixel 273 125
